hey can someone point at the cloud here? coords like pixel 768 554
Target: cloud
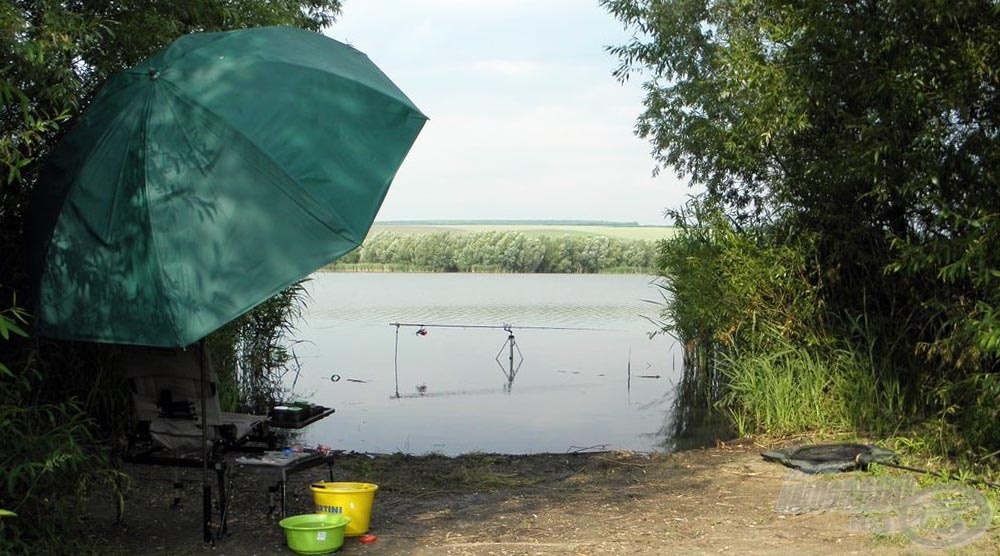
pixel 526 120
pixel 507 68
pixel 490 7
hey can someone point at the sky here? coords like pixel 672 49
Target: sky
pixel 525 119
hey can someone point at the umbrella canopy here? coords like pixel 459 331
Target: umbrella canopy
pixel 208 178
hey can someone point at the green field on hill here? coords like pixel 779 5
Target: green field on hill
pixel 649 233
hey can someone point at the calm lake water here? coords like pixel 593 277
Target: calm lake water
pixel 582 336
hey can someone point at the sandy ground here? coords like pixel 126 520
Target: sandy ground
pixel 722 500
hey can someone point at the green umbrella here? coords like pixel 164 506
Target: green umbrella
pixel 208 178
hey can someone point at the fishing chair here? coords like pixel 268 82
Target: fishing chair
pixel 168 397
pixel 175 394
pixel 179 421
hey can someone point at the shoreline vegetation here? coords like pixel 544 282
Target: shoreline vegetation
pixel 836 276
pixel 838 271
pixel 505 246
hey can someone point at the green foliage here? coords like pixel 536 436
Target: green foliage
pixel 39 90
pixel 253 354
pixel 822 110
pixel 866 134
pixel 724 283
pixel 746 298
pixel 47 457
pixel 781 391
pixel 969 406
pixel 12 320
pixel 499 251
pixel 17 148
pixel 969 266
pixel 789 388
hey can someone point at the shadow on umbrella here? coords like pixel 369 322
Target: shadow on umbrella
pixel 209 178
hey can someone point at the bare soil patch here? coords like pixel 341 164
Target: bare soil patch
pixel 712 501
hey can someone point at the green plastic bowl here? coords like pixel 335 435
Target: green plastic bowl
pixel 319 533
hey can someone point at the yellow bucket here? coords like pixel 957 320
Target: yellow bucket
pixel 351 499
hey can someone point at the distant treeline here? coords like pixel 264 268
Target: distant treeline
pixel 612 224
pixel 499 251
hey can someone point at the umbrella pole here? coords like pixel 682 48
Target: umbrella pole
pixel 206 487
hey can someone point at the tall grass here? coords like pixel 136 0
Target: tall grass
pixel 749 300
pixel 789 389
pixel 254 353
pixel 780 392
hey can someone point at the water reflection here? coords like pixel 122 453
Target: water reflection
pixel 511 349
pixel 695 421
pixel 580 370
pixel 504 388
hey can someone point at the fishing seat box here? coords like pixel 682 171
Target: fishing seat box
pixel 296 416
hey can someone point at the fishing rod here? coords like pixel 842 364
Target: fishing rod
pixel 941 474
pixel 504 326
pixel 510 371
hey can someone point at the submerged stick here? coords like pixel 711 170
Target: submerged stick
pixel 628 384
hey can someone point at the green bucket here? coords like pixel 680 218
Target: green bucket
pixel 319 533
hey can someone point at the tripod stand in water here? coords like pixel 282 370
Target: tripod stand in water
pixel 510 347
pixel 510 371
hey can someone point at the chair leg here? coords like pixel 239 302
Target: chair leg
pixel 284 481
pixel 178 487
pixel 220 470
pixel 206 508
pixel 282 496
pixel 270 499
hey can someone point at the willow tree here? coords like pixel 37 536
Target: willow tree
pixel 871 127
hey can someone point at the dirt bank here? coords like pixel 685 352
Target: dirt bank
pixel 714 501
